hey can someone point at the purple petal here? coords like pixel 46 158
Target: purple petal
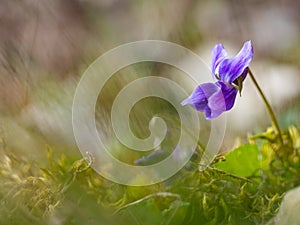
pixel 221 101
pixel 218 53
pixel 231 69
pixel 199 98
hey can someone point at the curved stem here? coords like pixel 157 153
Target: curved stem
pixel 269 108
pixel 158 194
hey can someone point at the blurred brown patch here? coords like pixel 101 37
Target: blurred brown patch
pixel 49 34
pixel 13 95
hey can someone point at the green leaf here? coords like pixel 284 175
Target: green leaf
pixel 243 161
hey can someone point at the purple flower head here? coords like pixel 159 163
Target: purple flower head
pixel 215 98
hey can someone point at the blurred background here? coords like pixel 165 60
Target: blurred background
pixel 45 46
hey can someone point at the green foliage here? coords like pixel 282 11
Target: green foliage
pixel 243 161
pixel 246 188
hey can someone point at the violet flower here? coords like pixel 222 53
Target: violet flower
pixel 215 98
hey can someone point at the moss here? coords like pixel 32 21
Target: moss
pixel 68 191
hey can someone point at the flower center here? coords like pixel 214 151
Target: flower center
pixel 217 72
pixel 238 84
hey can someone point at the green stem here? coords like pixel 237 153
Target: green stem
pixel 232 175
pixel 269 108
pixel 158 194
